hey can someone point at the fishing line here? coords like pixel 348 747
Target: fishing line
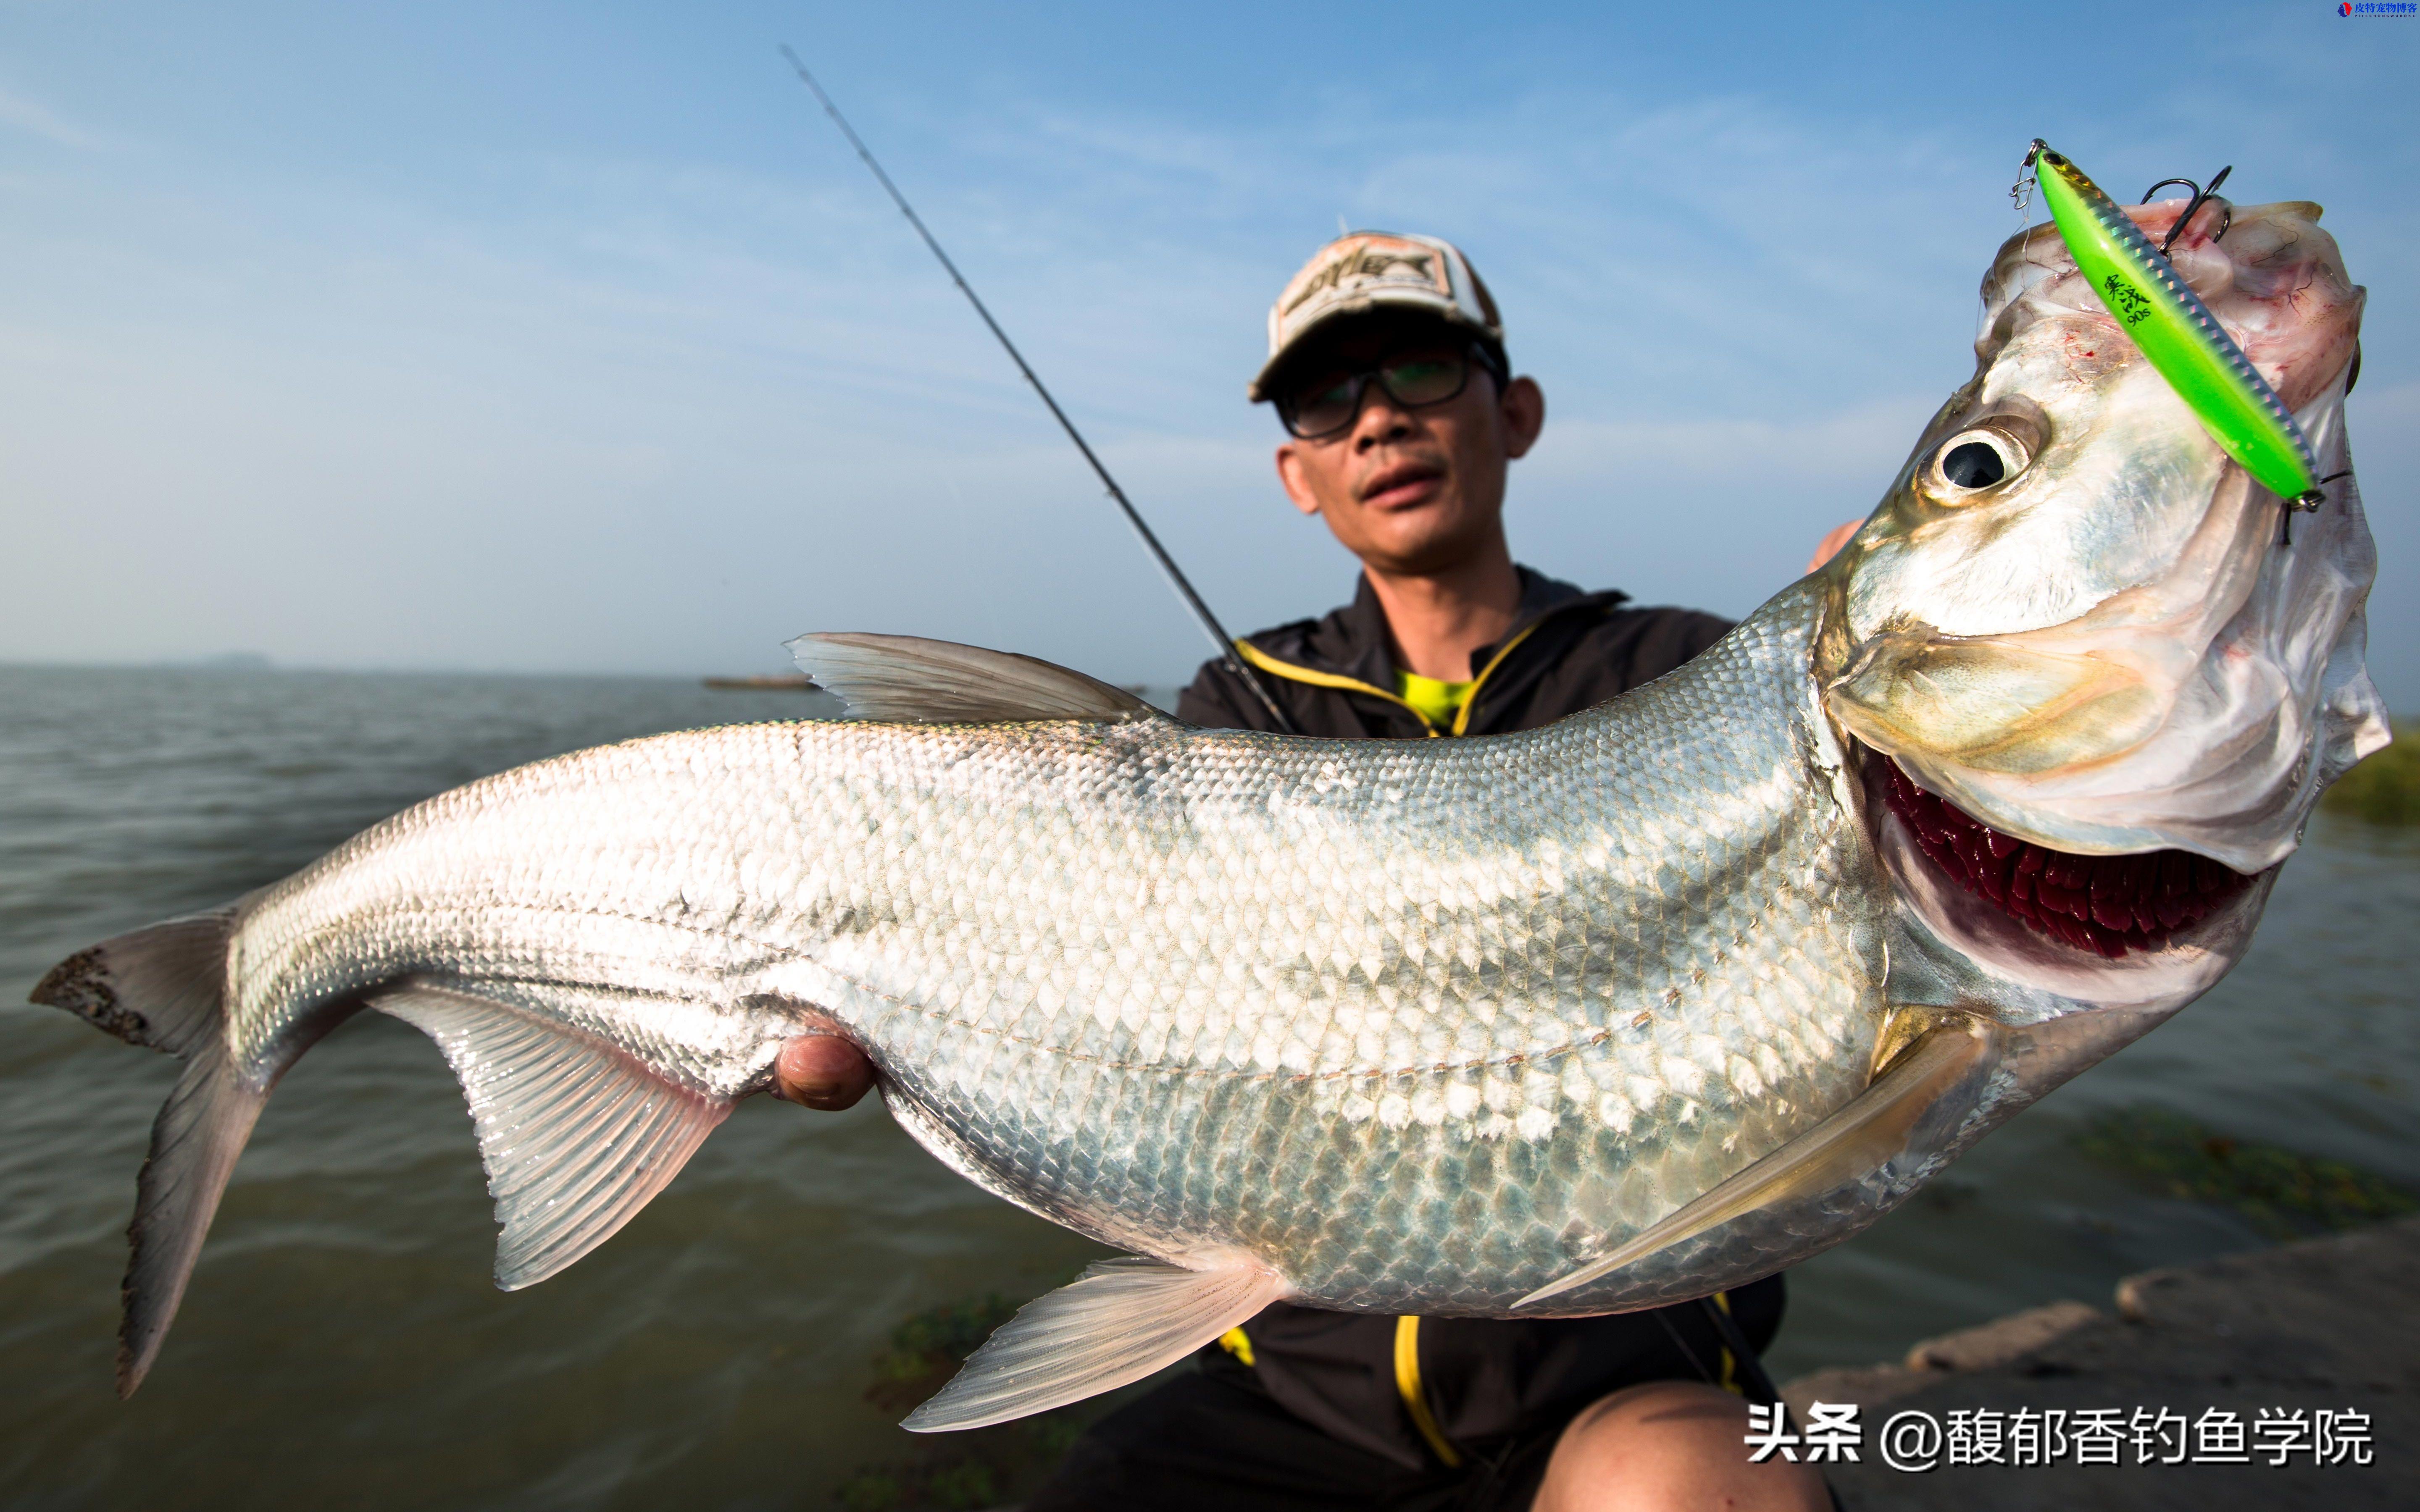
pixel 1176 579
pixel 1751 1367
pixel 1760 1385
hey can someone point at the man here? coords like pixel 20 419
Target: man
pixel 1386 366
pixel 1403 418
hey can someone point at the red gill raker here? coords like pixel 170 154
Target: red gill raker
pixel 2107 904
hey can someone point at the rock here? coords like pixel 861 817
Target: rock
pixel 2002 1340
pixel 2332 1325
pixel 1871 1385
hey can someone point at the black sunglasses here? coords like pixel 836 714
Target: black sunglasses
pixel 1413 380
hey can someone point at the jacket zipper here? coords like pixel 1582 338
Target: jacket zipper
pixel 1316 678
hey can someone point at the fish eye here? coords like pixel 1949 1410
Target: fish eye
pixel 1973 465
pixel 1981 457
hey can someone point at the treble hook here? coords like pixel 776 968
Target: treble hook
pixel 2200 196
pixel 2304 503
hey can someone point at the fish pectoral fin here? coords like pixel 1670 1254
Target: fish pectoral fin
pixel 1120 1321
pixel 577 1135
pixel 907 679
pixel 1872 1128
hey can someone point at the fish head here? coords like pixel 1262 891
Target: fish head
pixel 2076 655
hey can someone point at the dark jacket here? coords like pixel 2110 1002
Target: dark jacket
pixel 1568 650
pixel 1437 1392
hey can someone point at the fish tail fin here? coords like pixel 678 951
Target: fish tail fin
pixel 201 1131
pixel 165 988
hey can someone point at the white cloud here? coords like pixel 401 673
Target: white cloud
pixel 550 408
pixel 32 115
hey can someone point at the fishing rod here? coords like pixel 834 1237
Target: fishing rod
pixel 1176 578
pixel 1759 1382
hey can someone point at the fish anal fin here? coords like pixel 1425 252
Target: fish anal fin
pixel 1117 1323
pixel 577 1135
pixel 907 679
pixel 1871 1129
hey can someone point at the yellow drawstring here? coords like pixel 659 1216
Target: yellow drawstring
pixel 1416 1401
pixel 1316 678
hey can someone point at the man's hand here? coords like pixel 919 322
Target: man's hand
pixel 1828 548
pixel 822 1071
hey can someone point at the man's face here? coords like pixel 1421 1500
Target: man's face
pixel 1408 490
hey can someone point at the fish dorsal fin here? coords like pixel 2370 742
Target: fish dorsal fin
pixel 575 1135
pixel 907 679
pixel 1872 1128
pixel 1120 1321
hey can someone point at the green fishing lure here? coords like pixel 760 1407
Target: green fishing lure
pixel 2181 339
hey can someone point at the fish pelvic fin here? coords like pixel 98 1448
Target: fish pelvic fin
pixel 164 988
pixel 907 679
pixel 1935 1054
pixel 1117 1323
pixel 577 1135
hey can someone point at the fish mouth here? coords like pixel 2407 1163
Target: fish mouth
pixel 2105 905
pixel 2154 926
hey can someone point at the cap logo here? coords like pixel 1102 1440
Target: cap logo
pixel 1363 271
pixel 1369 263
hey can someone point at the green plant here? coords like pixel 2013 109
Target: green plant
pixel 869 1492
pixel 2285 1193
pixel 956 1472
pixel 963 1486
pixel 2385 788
pixel 926 1348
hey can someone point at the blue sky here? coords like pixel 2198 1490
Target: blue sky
pixel 556 337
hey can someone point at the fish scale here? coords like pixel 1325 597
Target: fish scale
pixel 1637 1006
pixel 1406 1010
pixel 1328 1005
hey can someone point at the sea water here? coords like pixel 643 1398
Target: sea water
pixel 342 1344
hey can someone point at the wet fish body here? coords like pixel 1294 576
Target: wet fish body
pixel 1381 1014
pixel 1651 1002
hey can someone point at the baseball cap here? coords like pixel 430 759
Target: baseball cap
pixel 1365 270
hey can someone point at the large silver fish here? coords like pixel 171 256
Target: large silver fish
pixel 1652 1002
